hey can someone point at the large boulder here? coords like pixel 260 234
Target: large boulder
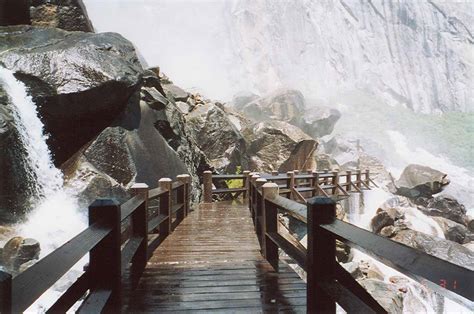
pixel 289 106
pixel 18 251
pixel 444 249
pixel 452 230
pixel 80 81
pixel 218 136
pixel 70 15
pixel 276 145
pixel 444 206
pixel 420 181
pixel 283 105
pixel 387 295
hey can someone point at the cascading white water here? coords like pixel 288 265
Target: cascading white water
pixel 54 217
pixel 47 178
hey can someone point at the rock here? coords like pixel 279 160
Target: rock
pixel 343 252
pixel 444 249
pixel 280 146
pixel 388 231
pixel 420 181
pixel 325 162
pixel 18 251
pixel 469 246
pixel 80 81
pixel 444 206
pixel 241 99
pixel 289 106
pixel 370 270
pixel 386 294
pixel 218 137
pixel 319 121
pixel 176 92
pixel 148 142
pixel 283 105
pixel 26 265
pixel 452 230
pixel 353 269
pixel 381 220
pixel 70 15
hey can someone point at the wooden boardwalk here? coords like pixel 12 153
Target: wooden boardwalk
pixel 212 263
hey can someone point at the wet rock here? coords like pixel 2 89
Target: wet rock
pixel 242 99
pixel 80 81
pixel 452 230
pixel 18 251
pixel 283 105
pixel 70 15
pixel 381 220
pixel 319 121
pixel 420 181
pixel 386 294
pixel 370 270
pixel 469 246
pixel 218 137
pixel 280 146
pixel 176 92
pixel 388 231
pixel 443 206
pixel 343 252
pixel 353 269
pixel 444 249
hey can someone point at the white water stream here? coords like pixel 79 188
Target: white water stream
pixel 54 217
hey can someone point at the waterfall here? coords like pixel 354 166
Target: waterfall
pixel 54 217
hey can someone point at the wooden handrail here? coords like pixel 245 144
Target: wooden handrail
pixel 108 258
pixel 328 282
pixel 313 183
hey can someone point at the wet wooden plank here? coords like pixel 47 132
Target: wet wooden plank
pixel 212 262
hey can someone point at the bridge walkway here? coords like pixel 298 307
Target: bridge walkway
pixel 212 263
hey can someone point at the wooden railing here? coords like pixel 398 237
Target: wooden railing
pixel 294 184
pixel 119 240
pixel 328 282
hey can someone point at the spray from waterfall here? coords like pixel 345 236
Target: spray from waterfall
pixel 53 218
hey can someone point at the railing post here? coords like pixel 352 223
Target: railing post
pixel 246 174
pixel 207 182
pixel 165 206
pixel 269 224
pixel 5 293
pixel 348 181
pixel 315 183
pixel 335 182
pixel 105 260
pixel 140 229
pixel 321 254
pixel 186 180
pixel 290 183
pixel 274 173
pixel 367 177
pixel 358 178
pixel 258 208
pixel 253 205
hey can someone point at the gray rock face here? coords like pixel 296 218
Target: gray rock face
pixel 444 249
pixel 386 294
pixel 70 15
pixel 289 106
pixel 420 181
pixel 443 206
pixel 147 142
pixel 18 251
pixel 452 230
pixel 218 137
pixel 280 146
pixel 80 81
